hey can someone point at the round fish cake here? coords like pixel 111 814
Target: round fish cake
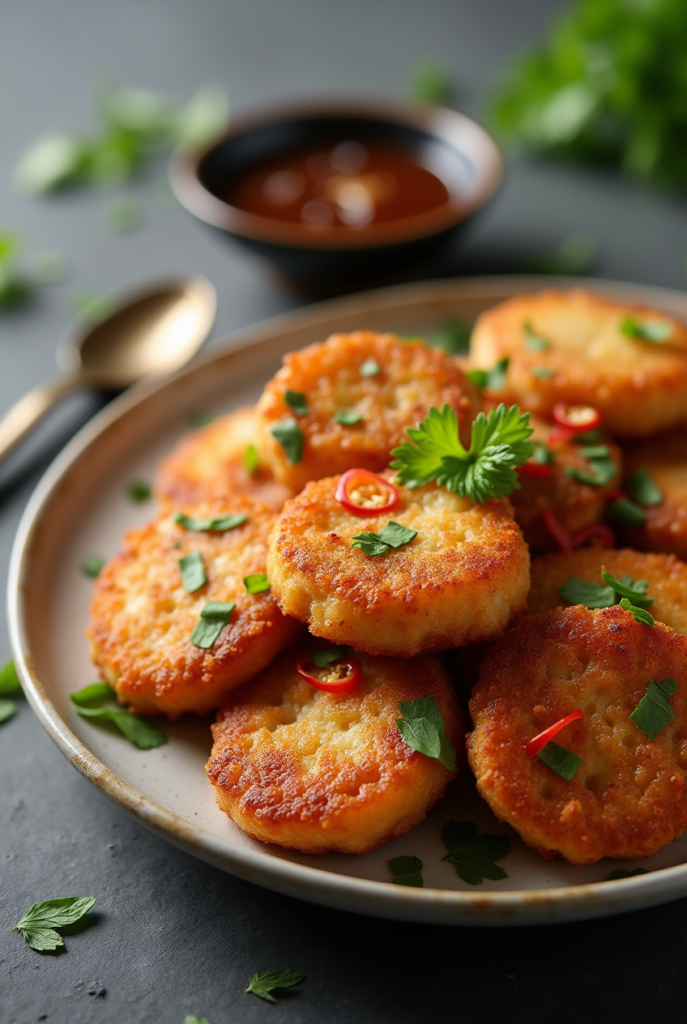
pixel 666 524
pixel 142 617
pixel 581 355
pixel 210 463
pixel 380 384
pixel 628 797
pixel 322 773
pixel 667 577
pixel 462 578
pixel 575 502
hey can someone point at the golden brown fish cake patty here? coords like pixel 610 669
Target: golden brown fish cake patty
pixel 142 618
pixel 628 798
pixel 666 524
pixel 319 772
pixel 640 388
pixel 463 577
pixel 574 503
pixel 667 578
pixel 411 379
pixel 209 464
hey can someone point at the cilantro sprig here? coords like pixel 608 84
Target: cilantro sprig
pixel 598 595
pixel 654 713
pixel 472 855
pixel 393 535
pixel 485 470
pixel 263 985
pixel 423 729
pixel 38 926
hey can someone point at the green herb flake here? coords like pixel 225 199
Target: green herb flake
pixel 8 709
pixel 407 871
pixel 218 525
pixel 542 455
pixel 591 595
pixel 139 731
pixel 559 760
pixel 52 162
pixel 656 332
pixel 326 655
pixel 369 544
pixel 654 713
pixel 623 512
pixel 251 460
pixel 493 379
pixel 625 873
pixel 192 569
pixel 213 618
pixel 289 436
pixel 9 680
pixel 138 492
pixel 201 419
pixel 602 468
pixel 472 855
pixel 423 729
pixel 575 255
pixel 393 535
pixel 643 490
pixel 196 1020
pixel 348 417
pixel 429 81
pixel 370 368
pixel 542 372
pixel 297 402
pixel 38 925
pixel 640 615
pixel 589 436
pixel 92 566
pixel 263 985
pixel 122 215
pixel 453 337
pixel 634 590
pixel 256 583
pixel 533 341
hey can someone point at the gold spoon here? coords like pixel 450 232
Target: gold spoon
pixel 148 333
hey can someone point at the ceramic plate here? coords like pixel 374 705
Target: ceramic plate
pixel 80 508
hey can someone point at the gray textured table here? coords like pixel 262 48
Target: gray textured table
pixel 172 936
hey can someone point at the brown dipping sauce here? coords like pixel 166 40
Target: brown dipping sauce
pixel 344 185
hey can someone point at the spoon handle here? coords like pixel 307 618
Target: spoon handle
pixel 16 423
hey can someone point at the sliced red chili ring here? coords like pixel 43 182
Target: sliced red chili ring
pixel 534 469
pixel 333 678
pixel 538 742
pixel 558 532
pixel 365 493
pixel 595 531
pixel 577 418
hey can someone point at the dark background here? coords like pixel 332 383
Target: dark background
pixel 171 936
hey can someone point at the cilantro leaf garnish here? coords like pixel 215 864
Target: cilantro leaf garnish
pixel 654 713
pixel 393 535
pixel 625 873
pixel 453 337
pixel 407 871
pixel 643 490
pixel 38 925
pixel 634 590
pixel 217 525
pixel 473 855
pixel 542 372
pixel 485 470
pixel 542 455
pixel 493 379
pixel 263 985
pixel 656 332
pixel 423 729
pixel 559 760
pixel 256 583
pixel 602 468
pixel 251 460
pixel 591 595
pixel 640 614
pixel 138 491
pixel 326 655
pixel 533 341
pixel 213 618
pixel 348 417
pixel 297 402
pixel 623 512
pixel 370 368
pixel 142 733
pixel 92 566
pixel 289 436
pixel 192 569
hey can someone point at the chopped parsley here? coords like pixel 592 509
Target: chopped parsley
pixel 192 569
pixel 499 444
pixel 654 713
pixel 453 337
pixel 643 490
pixel 138 491
pixel 256 583
pixel 92 566
pixel 597 595
pixel 656 332
pixel 217 525
pixel 263 985
pixel 559 760
pixel 472 855
pixel 139 731
pixel 38 926
pixel 423 729
pixel 297 402
pixel 348 417
pixel 251 460
pixel 213 618
pixel 623 512
pixel 407 871
pixel 625 873
pixel 635 590
pixel 493 379
pixel 533 341
pixel 542 455
pixel 370 368
pixel 602 468
pixel 640 615
pixel 393 535
pixel 289 436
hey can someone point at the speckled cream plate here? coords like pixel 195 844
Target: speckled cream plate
pixel 80 508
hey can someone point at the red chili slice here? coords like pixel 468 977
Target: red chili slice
pixel 595 531
pixel 534 469
pixel 562 537
pixel 366 494
pixel 333 681
pixel 538 742
pixel 577 418
pixel 616 495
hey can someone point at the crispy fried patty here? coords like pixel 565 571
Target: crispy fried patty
pixel 629 796
pixel 321 773
pixel 665 458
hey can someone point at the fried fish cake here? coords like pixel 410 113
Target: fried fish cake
pixel 666 523
pixel 628 798
pixel 581 354
pixel 562 486
pixel 462 578
pixel 361 392
pixel 211 463
pixel 667 578
pixel 142 617
pixel 321 773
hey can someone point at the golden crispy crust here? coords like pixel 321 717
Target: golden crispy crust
pixel 667 578
pixel 412 378
pixel 322 773
pixel 209 464
pixel 461 579
pixel 575 504
pixel 666 526
pixel 142 618
pixel 628 798
pixel 640 388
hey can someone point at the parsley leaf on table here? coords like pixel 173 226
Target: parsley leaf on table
pixel 473 855
pixel 38 925
pixel 263 985
pixel 423 729
pixel 9 686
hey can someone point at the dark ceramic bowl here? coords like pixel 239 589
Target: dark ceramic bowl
pixel 447 143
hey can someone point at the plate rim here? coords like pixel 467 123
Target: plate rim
pixel 513 907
